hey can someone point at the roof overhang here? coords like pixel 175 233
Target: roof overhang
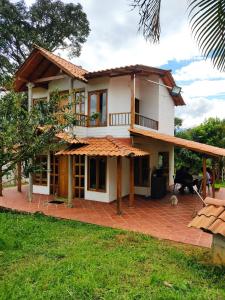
pixel 179 142
pixel 44 64
pixel 140 70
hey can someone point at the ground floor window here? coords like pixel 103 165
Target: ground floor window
pixel 40 176
pixel 97 167
pixel 141 171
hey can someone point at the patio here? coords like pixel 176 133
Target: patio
pixel 154 217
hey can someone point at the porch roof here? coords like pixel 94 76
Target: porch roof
pixel 179 142
pixel 211 217
pixel 107 146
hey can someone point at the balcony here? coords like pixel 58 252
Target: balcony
pixel 115 119
pixel 123 119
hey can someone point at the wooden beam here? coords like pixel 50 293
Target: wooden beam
pixel 119 185
pixel 22 79
pixel 131 195
pixel 132 101
pixel 19 177
pixel 50 78
pixel 204 179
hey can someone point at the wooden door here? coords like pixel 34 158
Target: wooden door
pixel 63 176
pixel 79 175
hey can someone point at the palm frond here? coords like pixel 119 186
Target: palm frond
pixel 149 12
pixel 207 18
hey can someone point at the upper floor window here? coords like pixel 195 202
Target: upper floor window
pixel 97 105
pixel 80 102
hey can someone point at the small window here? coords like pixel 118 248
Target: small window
pixel 97 173
pixel 141 171
pixel 40 176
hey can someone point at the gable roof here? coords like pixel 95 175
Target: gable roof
pixel 37 59
pixel 211 218
pixel 39 55
pixel 179 142
pixel 107 146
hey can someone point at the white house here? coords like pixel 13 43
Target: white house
pixel 116 154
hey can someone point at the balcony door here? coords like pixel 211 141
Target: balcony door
pixel 97 108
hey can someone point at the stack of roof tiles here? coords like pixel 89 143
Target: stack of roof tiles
pixel 211 218
pixel 107 146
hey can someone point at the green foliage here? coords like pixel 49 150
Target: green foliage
pixel 21 138
pixel 45 258
pixel 177 124
pixel 47 23
pixel 211 132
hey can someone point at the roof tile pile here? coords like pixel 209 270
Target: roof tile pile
pixel 107 146
pixel 211 218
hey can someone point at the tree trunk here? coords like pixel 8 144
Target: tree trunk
pixel 1 181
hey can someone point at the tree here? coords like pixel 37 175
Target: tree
pixel 177 124
pixel 47 23
pixel 211 132
pixel 24 135
pixel 207 18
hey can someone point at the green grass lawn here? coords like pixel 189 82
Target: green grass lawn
pixel 45 258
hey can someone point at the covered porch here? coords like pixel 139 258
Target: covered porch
pixel 153 217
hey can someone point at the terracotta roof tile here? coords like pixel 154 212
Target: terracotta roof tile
pixel 211 217
pixel 70 139
pixel 107 146
pixel 65 65
pixel 191 145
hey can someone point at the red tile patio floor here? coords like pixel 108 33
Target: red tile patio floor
pixel 154 217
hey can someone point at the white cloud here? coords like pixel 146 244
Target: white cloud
pixel 202 69
pixel 205 88
pixel 199 109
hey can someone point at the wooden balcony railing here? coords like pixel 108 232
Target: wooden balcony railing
pixel 122 119
pixel 81 120
pixel 146 122
pixel 119 119
pixel 115 119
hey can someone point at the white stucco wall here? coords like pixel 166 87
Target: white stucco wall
pixel 166 111
pixel 148 96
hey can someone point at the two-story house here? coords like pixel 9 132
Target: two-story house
pixel 115 154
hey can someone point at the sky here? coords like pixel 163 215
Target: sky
pixel 115 41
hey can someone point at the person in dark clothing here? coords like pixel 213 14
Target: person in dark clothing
pixel 184 178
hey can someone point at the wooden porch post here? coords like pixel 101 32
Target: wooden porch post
pixel 1 181
pixel 131 196
pixel 119 185
pixel 70 181
pixel 132 101
pixel 204 178
pixel 19 181
pixel 213 180
pixel 30 86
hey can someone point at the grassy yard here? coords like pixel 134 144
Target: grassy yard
pixel 45 258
